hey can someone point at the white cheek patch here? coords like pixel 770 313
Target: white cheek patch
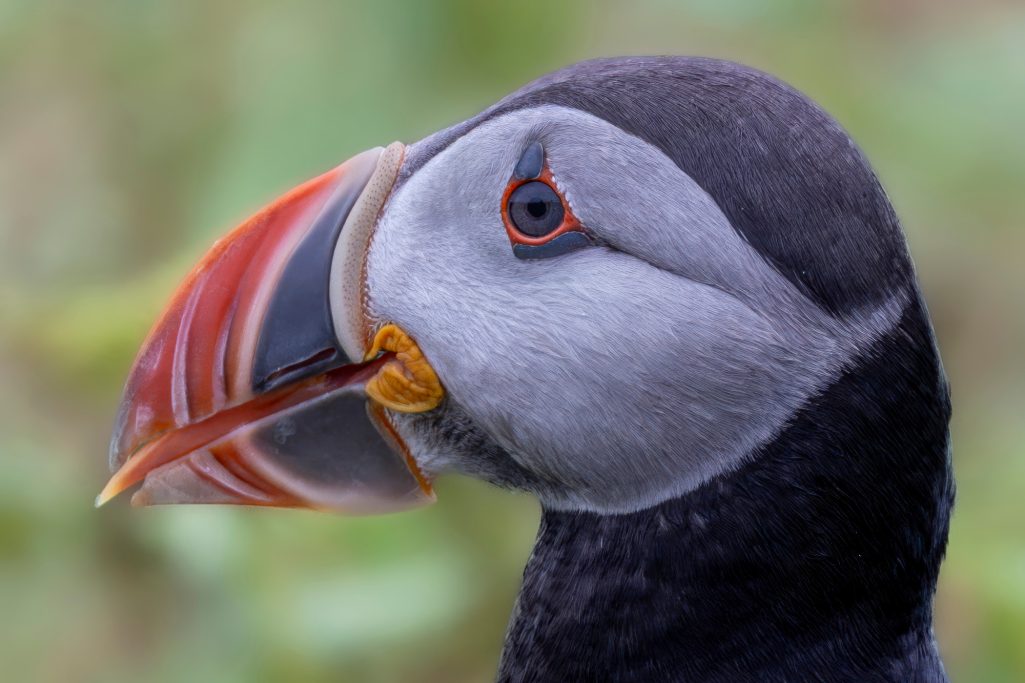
pixel 629 374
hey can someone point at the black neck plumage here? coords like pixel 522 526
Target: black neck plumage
pixel 817 560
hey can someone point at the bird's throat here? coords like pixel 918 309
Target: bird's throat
pixel 820 555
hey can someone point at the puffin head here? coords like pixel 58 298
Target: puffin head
pixel 608 289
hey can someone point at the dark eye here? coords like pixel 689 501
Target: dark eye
pixel 535 209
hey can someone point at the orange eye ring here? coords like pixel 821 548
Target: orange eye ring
pixel 524 245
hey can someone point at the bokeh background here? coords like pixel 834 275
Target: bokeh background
pixel 133 132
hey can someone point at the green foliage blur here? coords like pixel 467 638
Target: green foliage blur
pixel 134 132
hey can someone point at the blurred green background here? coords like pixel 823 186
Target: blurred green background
pixel 134 132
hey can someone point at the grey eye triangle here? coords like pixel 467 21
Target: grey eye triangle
pixel 530 163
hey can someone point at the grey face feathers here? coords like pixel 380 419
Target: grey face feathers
pixel 787 176
pixel 742 255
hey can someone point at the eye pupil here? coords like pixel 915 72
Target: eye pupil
pixel 535 209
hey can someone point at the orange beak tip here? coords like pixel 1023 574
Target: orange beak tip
pixel 102 499
pixel 111 490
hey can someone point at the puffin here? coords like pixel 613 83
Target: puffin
pixel 666 296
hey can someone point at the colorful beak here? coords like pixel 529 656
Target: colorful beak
pixel 251 388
